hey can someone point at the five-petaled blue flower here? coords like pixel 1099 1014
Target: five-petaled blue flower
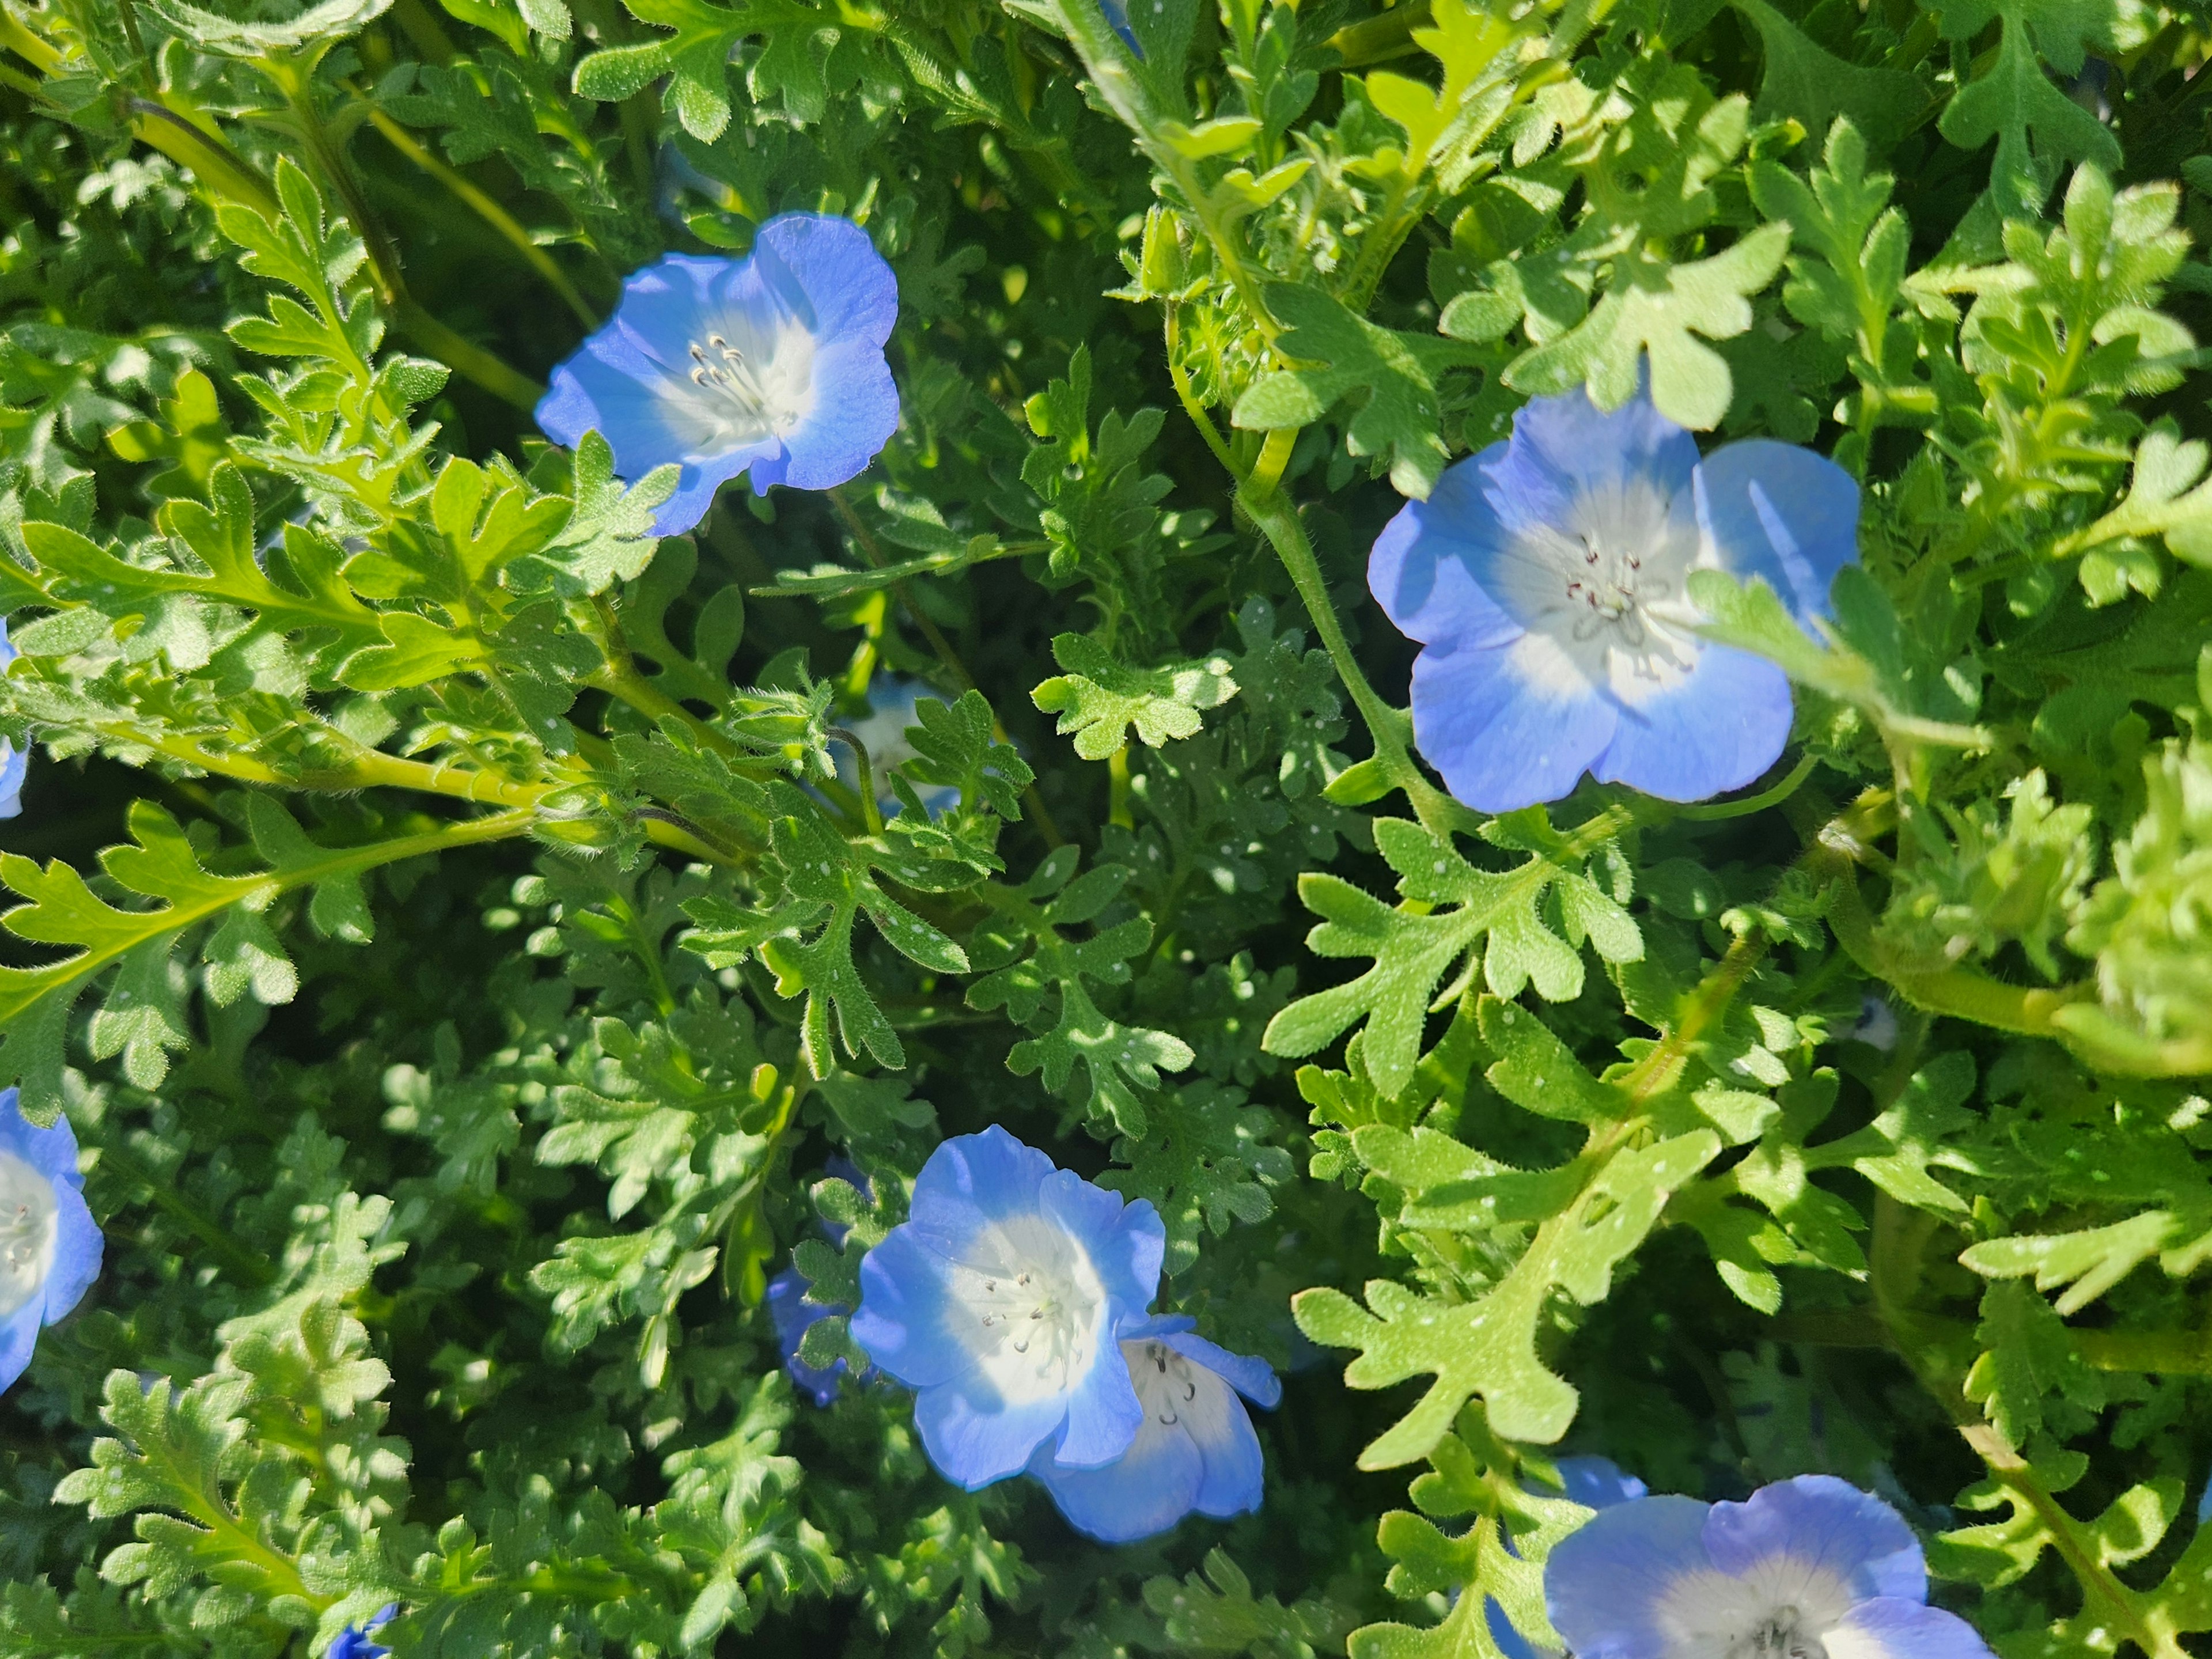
pixel 771 365
pixel 50 1246
pixel 1546 578
pixel 353 1642
pixel 12 765
pixel 1196 1450
pixel 1811 1567
pixel 1002 1300
pixel 1595 1483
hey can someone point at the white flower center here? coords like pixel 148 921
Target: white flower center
pixel 1179 1395
pixel 1603 594
pixel 746 378
pixel 1781 1608
pixel 27 1212
pixel 1034 1299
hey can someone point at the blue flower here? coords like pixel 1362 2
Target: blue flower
pixel 1002 1300
pixel 891 702
pixel 12 765
pixel 50 1246
pixel 1595 1483
pixel 353 1642
pixel 1195 1451
pixel 772 365
pixel 1806 1566
pixel 794 1311
pixel 1547 579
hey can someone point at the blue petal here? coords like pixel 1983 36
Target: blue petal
pixel 2205 1505
pixel 77 1248
pixel 13 769
pixel 1510 727
pixel 1102 1411
pixel 908 1320
pixel 1125 1239
pixel 975 1440
pixel 1825 1522
pixel 1891 1629
pixel 856 409
pixel 1564 448
pixel 1602 1584
pixel 353 1642
pixel 19 1335
pixel 849 292
pixel 1717 728
pixel 1598 1483
pixel 51 1152
pixel 793 1312
pixel 1778 511
pixel 971 1181
pixel 1255 1379
pixel 1422 568
pixel 1502 1632
pixel 6 651
pixel 1147 1490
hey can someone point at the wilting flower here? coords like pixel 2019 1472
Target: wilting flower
pixel 1196 1450
pixel 891 702
pixel 1804 1568
pixel 12 765
pixel 1595 1483
pixel 1547 578
pixel 353 1642
pixel 50 1246
pixel 1001 1300
pixel 771 365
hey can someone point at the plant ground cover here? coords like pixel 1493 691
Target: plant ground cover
pixel 1457 751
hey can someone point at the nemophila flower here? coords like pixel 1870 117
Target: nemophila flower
pixel 1002 1300
pixel 891 702
pixel 1811 1568
pixel 13 766
pixel 1194 1451
pixel 50 1246
pixel 771 365
pixel 1595 1483
pixel 1546 578
pixel 794 1311
pixel 353 1642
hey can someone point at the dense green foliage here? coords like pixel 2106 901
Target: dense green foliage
pixel 440 918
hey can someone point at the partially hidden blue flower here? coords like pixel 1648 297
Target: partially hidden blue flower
pixel 1117 18
pixel 794 1311
pixel 1547 579
pixel 1001 1300
pixel 1595 1483
pixel 2205 1505
pixel 770 365
pixel 50 1246
pixel 891 702
pixel 1810 1565
pixel 1195 1451
pixel 353 1642
pixel 13 766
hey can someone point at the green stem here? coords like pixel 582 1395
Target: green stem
pixel 871 810
pixel 468 360
pixel 1188 396
pixel 250 1266
pixel 487 210
pixel 1744 806
pixel 1270 510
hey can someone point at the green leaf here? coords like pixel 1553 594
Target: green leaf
pixel 1414 948
pixel 1803 80
pixel 1398 416
pixel 1659 309
pixel 2016 102
pixel 1204 1161
pixel 1487 1347
pixel 1100 697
